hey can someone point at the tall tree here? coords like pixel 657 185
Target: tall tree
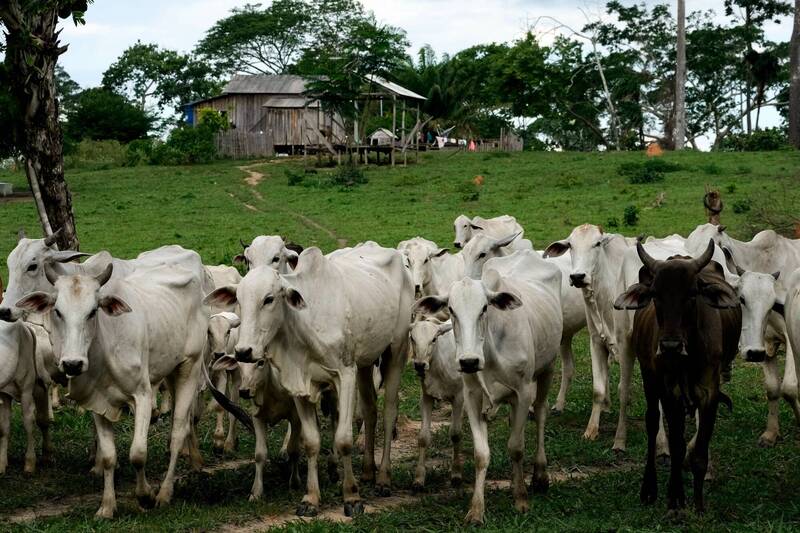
pixel 32 49
pixel 680 79
pixel 794 79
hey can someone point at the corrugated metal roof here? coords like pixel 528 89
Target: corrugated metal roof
pixel 264 84
pixel 394 88
pixel 289 101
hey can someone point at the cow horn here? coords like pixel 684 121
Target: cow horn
pixel 244 244
pixel 51 239
pixel 648 261
pixel 701 262
pixel 51 272
pixel 104 276
pixel 21 234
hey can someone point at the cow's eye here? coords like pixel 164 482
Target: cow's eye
pixel 485 307
pixel 269 299
pixel 275 259
pixel 481 255
pixel 741 300
pixel 92 313
pixel 32 267
pixel 58 314
pixel 260 363
pixel 426 259
pixel 597 244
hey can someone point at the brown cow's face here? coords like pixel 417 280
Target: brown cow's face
pixel 673 286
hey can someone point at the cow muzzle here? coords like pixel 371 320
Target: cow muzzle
pixel 672 346
pixel 217 355
pixel 8 314
pixel 469 365
pixel 420 368
pixel 72 367
pixel 754 355
pixel 578 280
pixel 244 355
pixel 245 394
pixel 457 244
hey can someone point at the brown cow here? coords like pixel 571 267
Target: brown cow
pixel 686 325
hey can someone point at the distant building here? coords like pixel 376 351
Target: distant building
pixel 381 137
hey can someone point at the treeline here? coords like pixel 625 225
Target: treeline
pixel 609 84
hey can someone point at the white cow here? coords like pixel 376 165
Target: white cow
pixel 497 227
pixel 768 252
pixel 433 351
pixel 418 252
pixel 223 333
pixel 326 324
pixel 603 266
pixel 763 331
pixel 507 328
pixel 116 340
pixel 268 250
pixel 791 313
pixel 21 379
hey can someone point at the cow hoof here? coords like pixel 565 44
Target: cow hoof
pixel 618 451
pixel 254 497
pixel 353 509
pixel 474 517
pixel 648 494
pixel 591 434
pixel 146 501
pixel 417 487
pixel 384 491
pixel 521 506
pixel 767 441
pixel 30 468
pixel 540 485
pixel 676 515
pixel 306 509
pixel 556 411
pixel 105 513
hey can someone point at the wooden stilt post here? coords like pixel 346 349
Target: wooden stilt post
pixel 416 140
pixel 394 123
pixel 403 137
pixel 319 134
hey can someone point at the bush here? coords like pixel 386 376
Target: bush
pixel 294 177
pixel 770 139
pixel 345 177
pixel 631 215
pixel 140 152
pixel 100 114
pixel 348 176
pixel 188 145
pixel 742 206
pixel 469 191
pixel 649 171
pixel 95 155
pixel 612 222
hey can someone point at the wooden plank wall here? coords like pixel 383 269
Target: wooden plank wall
pixel 244 145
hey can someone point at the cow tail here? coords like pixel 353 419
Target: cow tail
pixel 240 414
pixel 724 398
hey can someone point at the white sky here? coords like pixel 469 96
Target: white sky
pixel 447 25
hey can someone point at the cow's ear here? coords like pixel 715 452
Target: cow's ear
pixel 505 301
pixel 233 320
pixel 444 328
pixel 291 257
pixel 114 306
pixel 240 258
pixel 295 299
pixel 475 227
pixel 430 305
pixel 637 296
pixel 505 241
pixel 717 295
pixel 66 256
pixel 440 252
pixel 36 302
pixel 778 306
pixel 226 363
pixel 557 249
pixel 224 297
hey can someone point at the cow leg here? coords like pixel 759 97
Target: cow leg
pixel 5 430
pixel 773 385
pixel 516 444
pixel 165 406
pixel 220 382
pixel 540 481
pixel 789 386
pixel 55 401
pixel 383 485
pixel 41 398
pixel 293 453
pixel 567 373
pixel 307 412
pixel 284 452
pixel 138 452
pixel 186 379
pixel 662 445
pixel 343 440
pixel 260 430
pixel 28 422
pixel 699 458
pixel 456 424
pixel 423 440
pixel 653 419
pixel 234 382
pixel 676 417
pixel 107 458
pixel 367 395
pixel 626 361
pixel 480 437
pixel 599 355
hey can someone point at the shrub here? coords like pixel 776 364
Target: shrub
pixel 731 188
pixel 345 177
pixel 469 191
pixel 348 176
pixel 649 171
pixel 631 215
pixel 190 145
pixel 101 114
pixel 769 139
pixel 742 206
pixel 612 222
pixel 96 155
pixel 294 177
pixel 711 168
pixel 140 152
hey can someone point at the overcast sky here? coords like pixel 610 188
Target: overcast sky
pixel 447 25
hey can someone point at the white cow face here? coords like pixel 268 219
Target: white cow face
pixel 263 300
pixel 758 296
pixel 419 262
pixel 465 230
pixel 468 305
pixel 585 245
pixel 698 239
pixel 423 337
pixel 270 251
pixel 480 249
pixel 253 377
pixel 26 269
pixel 73 313
pixel 219 332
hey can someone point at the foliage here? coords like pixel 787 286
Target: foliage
pixel 91 154
pixel 742 205
pixel 758 141
pixel 101 114
pixel 140 152
pixel 649 171
pixel 630 216
pixel 67 90
pixel 344 177
pixel 188 145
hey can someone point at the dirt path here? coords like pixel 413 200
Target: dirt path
pixel 253 178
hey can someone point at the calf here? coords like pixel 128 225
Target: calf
pixel 22 379
pixel 433 352
pixel 507 328
pixel 271 251
pixel 497 227
pixel 687 323
pixel 222 336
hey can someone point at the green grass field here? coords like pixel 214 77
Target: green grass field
pixel 208 208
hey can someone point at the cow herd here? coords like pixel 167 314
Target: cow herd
pixel 304 336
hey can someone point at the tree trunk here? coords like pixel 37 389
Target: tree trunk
pixel 31 56
pixel 679 136
pixel 794 77
pixel 749 95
